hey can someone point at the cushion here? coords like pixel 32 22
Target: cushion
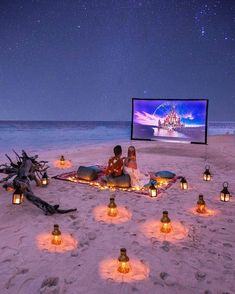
pixel 123 181
pixel 165 174
pixel 87 173
pixel 96 168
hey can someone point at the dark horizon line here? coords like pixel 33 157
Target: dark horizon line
pixel 99 121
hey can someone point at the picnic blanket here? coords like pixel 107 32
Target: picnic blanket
pixel 161 183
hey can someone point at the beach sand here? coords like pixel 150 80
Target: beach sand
pixel 198 256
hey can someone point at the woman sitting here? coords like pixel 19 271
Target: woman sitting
pixel 138 180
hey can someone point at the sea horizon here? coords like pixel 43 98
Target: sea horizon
pixel 44 134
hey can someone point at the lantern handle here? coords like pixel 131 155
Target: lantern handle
pixel 207 166
pixel 225 184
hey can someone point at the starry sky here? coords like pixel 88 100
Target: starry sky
pixel 85 60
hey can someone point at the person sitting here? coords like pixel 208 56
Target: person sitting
pixel 138 179
pixel 115 163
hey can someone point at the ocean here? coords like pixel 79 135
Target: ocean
pixel 39 135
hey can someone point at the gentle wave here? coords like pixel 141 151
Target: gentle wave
pixel 57 134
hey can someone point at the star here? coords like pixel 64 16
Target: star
pixel 202 31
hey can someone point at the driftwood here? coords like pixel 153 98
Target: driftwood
pixel 28 169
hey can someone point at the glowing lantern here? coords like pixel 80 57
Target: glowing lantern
pixel 207 174
pixel 183 184
pixel 17 197
pixel 224 194
pixel 166 223
pixel 201 204
pixel 62 160
pixel 123 260
pixel 45 180
pixel 112 207
pixel 56 235
pixel 152 191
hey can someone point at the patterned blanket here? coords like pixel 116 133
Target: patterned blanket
pixel 161 183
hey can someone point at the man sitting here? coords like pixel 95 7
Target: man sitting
pixel 115 164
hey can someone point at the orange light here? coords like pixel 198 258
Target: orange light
pixel 56 235
pixel 112 207
pixel 224 194
pixel 183 184
pixel 207 174
pixel 201 204
pixel 123 260
pixel 17 197
pixel 62 160
pixel 152 191
pixel 166 223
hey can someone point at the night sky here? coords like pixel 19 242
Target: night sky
pixel 85 60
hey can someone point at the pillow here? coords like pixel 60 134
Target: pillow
pixel 86 173
pixel 96 168
pixel 123 181
pixel 165 174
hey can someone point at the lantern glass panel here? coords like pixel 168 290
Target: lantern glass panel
pixel 123 262
pixel 17 197
pixel 183 184
pixel 201 205
pixel 165 223
pixel 112 208
pixel 56 236
pixel 152 191
pixel 224 194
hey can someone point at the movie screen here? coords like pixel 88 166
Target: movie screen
pixel 176 120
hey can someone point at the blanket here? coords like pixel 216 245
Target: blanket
pixel 161 183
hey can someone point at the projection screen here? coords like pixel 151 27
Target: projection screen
pixel 174 120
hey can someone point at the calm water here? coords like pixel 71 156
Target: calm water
pixel 54 135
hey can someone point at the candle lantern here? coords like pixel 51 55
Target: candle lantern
pixel 207 174
pixel 224 194
pixel 166 223
pixel 45 180
pixel 17 197
pixel 112 207
pixel 123 261
pixel 201 204
pixel 56 235
pixel 152 191
pixel 62 160
pixel 183 184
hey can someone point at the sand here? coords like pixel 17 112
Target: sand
pixel 198 256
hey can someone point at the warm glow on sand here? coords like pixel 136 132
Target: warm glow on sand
pixel 67 164
pixel 68 243
pixel 123 215
pixel 162 181
pixel 152 229
pixel 10 189
pixel 138 271
pixel 209 212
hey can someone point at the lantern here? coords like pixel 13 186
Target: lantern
pixel 45 180
pixel 123 260
pixel 183 184
pixel 207 174
pixel 62 161
pixel 166 223
pixel 112 207
pixel 224 194
pixel 201 204
pixel 152 191
pixel 56 235
pixel 17 197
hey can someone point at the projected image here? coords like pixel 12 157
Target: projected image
pixel 172 120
